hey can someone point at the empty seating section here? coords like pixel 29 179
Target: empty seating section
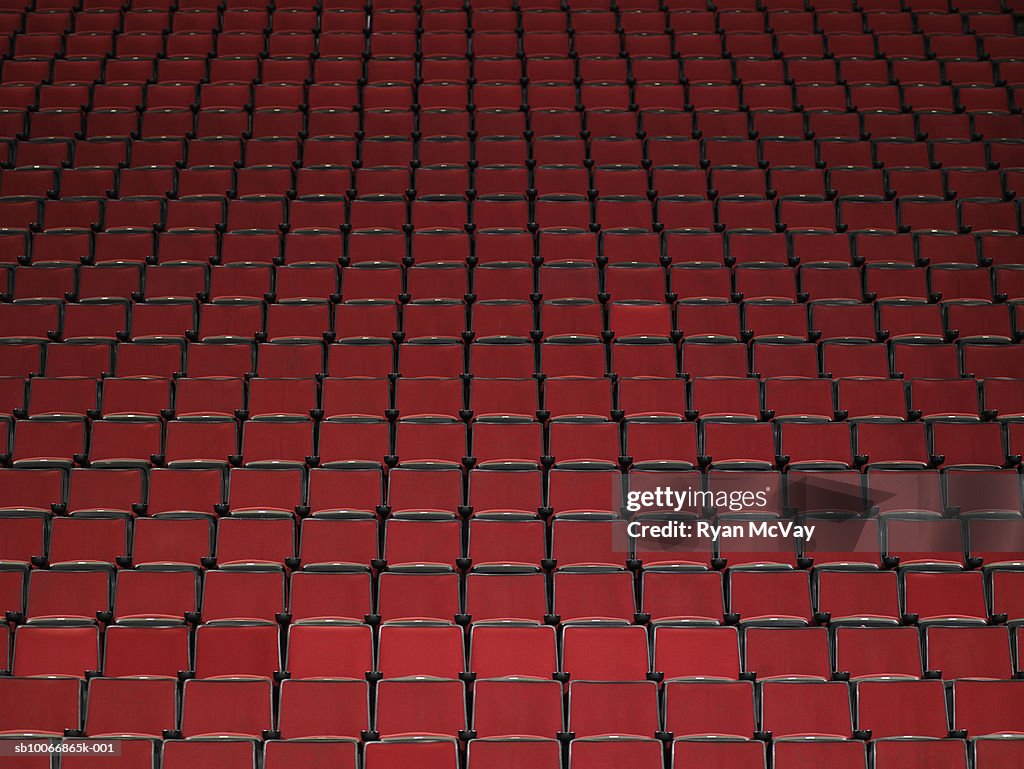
pixel 333 331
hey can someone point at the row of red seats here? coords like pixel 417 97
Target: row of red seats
pixel 694 36
pixel 623 6
pixel 339 541
pixel 293 17
pixel 499 170
pixel 638 16
pixel 436 649
pixel 317 650
pixel 507 44
pixel 721 182
pixel 295 440
pixel 955 294
pixel 743 399
pixel 135 73
pixel 635 300
pixel 444 130
pixel 493 490
pixel 520 490
pixel 670 154
pixel 387 128
pixel 437 705
pixel 511 358
pixel 238 320
pixel 348 543
pixel 584 753
pixel 699 97
pixel 388 248
pixel 553 211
